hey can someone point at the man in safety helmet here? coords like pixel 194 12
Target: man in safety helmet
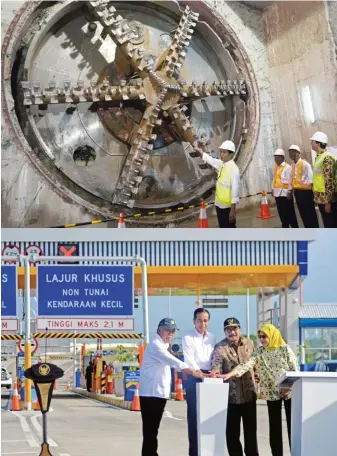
pixel 227 194
pixel 282 191
pixel 302 178
pixel 324 184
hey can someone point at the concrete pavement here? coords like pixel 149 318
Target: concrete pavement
pixel 83 427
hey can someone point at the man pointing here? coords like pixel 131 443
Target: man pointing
pixel 227 194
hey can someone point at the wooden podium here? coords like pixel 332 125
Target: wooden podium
pixel 313 412
pixel 212 404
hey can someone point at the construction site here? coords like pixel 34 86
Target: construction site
pixel 103 101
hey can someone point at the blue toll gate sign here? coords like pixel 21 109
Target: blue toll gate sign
pixel 86 291
pixel 9 291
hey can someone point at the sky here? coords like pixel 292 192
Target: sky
pixel 319 286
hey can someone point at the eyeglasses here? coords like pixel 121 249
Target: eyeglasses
pixel 169 330
pixel 262 336
pixel 235 329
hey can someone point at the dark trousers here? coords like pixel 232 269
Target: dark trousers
pixel 191 399
pixel 306 207
pixel 275 425
pixel 246 412
pixel 152 409
pixel 88 384
pixel 286 212
pixel 329 220
pixel 223 218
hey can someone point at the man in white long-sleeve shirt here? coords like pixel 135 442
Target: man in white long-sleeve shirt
pixel 197 348
pixel 227 194
pixel 155 383
pixel 282 185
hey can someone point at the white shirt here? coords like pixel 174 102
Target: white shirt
pixel 198 350
pixel 286 178
pixel 217 164
pixel 155 373
pixel 307 174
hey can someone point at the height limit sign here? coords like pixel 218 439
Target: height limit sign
pixel 34 346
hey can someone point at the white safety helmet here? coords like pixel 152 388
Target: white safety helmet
pixel 320 137
pixel 228 145
pixel 279 152
pixel 294 147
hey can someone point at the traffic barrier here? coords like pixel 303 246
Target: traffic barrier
pixel 46 335
pixel 103 382
pixel 264 212
pixel 136 401
pixel 180 394
pixel 115 401
pixel 52 357
pixel 15 406
pixel 121 221
pixel 203 221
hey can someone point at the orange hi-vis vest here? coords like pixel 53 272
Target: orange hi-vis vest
pixel 298 179
pixel 277 183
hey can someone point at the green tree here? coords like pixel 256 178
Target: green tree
pixel 253 337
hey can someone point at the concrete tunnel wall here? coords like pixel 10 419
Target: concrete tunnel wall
pixel 280 56
pixel 301 40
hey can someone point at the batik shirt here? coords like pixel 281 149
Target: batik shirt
pixel 271 364
pixel 329 177
pixel 226 356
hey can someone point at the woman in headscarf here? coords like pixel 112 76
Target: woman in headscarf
pixel 272 359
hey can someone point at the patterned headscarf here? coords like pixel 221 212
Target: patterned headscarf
pixel 275 337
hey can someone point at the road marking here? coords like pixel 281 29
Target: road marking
pixel 21 452
pixel 27 431
pixel 168 414
pixel 38 429
pixel 69 369
pixel 9 441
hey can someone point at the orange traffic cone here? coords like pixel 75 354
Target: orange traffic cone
pixel 180 394
pixel 68 386
pixel 121 221
pixel 15 399
pixel 37 405
pixel 136 402
pixel 264 214
pixel 55 385
pixel 203 221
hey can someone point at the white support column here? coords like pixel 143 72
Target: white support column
pixel 258 309
pixel 248 313
pixel 282 313
pixel 291 323
pixel 74 361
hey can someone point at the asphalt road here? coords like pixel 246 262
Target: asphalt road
pixel 83 427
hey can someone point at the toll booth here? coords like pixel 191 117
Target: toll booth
pixel 318 336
